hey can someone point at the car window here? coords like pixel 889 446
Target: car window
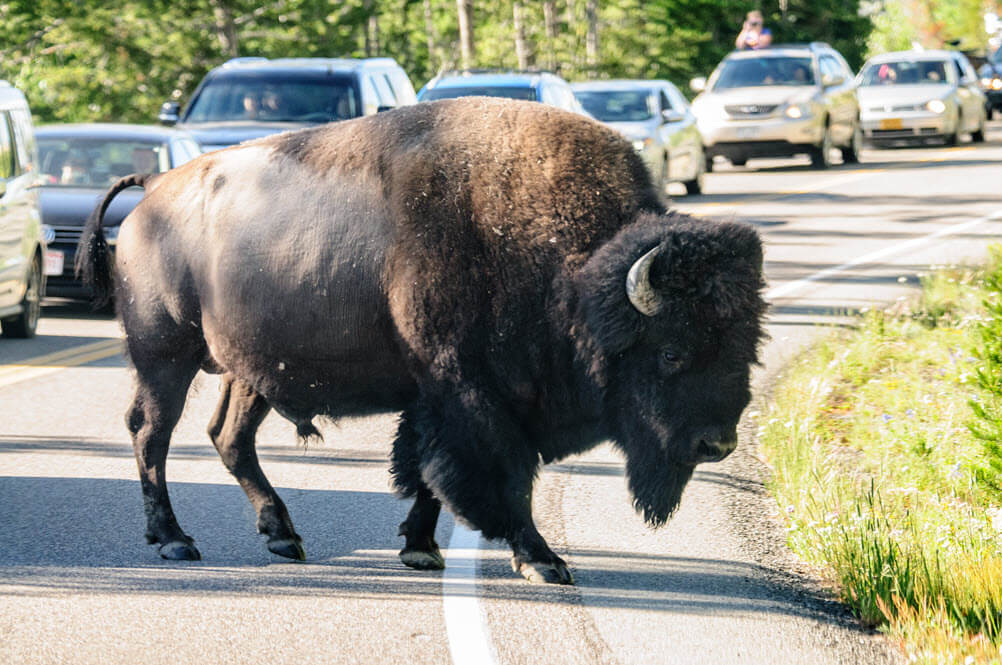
pixel 617 105
pixel 275 99
pixel 563 97
pixel 370 96
pixel 666 104
pixel 764 71
pixel 24 146
pixel 830 67
pixel 905 72
pixel 183 151
pixel 97 162
pixel 6 149
pixel 511 92
pixel 958 70
pixel 383 90
pixel 402 87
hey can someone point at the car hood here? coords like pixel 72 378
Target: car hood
pixel 776 95
pixel 634 130
pixel 878 95
pixel 216 135
pixel 71 206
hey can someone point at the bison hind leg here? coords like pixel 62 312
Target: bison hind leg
pixel 233 429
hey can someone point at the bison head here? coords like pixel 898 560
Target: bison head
pixel 672 313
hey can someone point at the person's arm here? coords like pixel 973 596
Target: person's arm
pixel 765 38
pixel 740 40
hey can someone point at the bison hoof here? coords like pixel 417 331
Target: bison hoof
pixel 179 550
pixel 423 559
pixel 290 548
pixel 539 572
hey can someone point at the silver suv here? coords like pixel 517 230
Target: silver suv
pixel 779 102
pixel 246 98
pixel 22 250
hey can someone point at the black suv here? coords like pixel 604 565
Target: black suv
pixel 250 97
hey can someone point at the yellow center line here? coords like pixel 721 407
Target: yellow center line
pixel 54 362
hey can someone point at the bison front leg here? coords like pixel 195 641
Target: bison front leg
pixel 420 550
pixel 484 479
pixel 232 430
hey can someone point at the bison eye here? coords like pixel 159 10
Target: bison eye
pixel 671 360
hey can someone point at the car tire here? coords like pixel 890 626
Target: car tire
pixel 978 136
pixel 23 325
pixel 694 186
pixel 664 180
pixel 739 161
pixel 821 156
pixel 954 138
pixel 850 154
pixel 709 164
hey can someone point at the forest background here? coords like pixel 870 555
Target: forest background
pixel 119 60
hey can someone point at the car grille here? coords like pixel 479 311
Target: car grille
pixel 67 234
pixel 896 109
pixel 904 133
pixel 750 110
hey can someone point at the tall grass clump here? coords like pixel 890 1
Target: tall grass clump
pixel 888 481
pixel 987 406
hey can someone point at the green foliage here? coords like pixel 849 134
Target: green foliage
pixel 119 60
pixel 987 426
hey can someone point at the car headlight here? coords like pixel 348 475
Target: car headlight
pixel 48 234
pixel 997 84
pixel 640 144
pixel 936 105
pixel 797 111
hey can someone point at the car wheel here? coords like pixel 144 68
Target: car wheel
pixel 664 179
pixel 821 156
pixel 991 113
pixel 709 164
pixel 694 186
pixel 954 137
pixel 850 154
pixel 739 161
pixel 23 325
pixel 978 136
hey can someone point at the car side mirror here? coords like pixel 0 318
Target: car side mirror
pixel 170 113
pixel 698 84
pixel 671 115
pixel 832 80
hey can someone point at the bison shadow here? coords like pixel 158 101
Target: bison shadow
pixel 84 535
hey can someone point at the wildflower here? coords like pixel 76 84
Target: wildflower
pixel 887 417
pixel 910 413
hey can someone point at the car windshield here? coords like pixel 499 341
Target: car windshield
pixel 904 72
pixel 997 56
pixel 509 91
pixel 764 71
pixel 618 105
pixel 97 162
pixel 259 99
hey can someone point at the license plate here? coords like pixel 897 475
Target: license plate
pixel 53 262
pixel 891 123
pixel 747 132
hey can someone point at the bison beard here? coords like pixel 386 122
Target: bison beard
pixel 656 496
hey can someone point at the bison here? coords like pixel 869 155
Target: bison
pixel 501 273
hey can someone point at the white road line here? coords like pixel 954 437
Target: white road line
pixel 790 287
pixel 465 623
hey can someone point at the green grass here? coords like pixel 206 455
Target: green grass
pixel 882 484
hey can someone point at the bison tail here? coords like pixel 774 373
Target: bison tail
pixel 93 262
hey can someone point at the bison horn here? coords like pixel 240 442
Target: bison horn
pixel 638 285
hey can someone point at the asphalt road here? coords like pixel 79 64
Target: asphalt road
pixel 78 584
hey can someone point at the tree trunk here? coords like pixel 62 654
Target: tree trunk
pixel 435 59
pixel 465 8
pixel 591 40
pixel 550 27
pixel 522 50
pixel 371 30
pixel 226 29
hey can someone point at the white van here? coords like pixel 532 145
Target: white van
pixel 22 248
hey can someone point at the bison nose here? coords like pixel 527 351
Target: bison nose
pixel 712 446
